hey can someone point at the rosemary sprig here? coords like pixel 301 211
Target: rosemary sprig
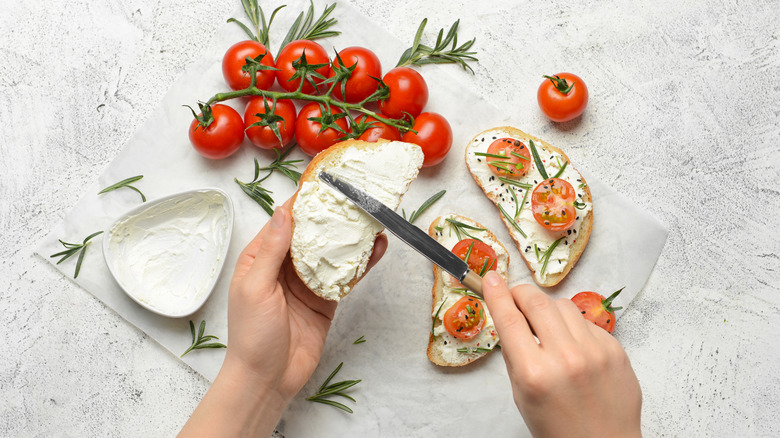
pixel 337 388
pixel 125 183
pixel 201 341
pixel 425 205
pixel 546 256
pixel 435 316
pixel 465 292
pixel 537 159
pixel 468 350
pixel 518 208
pixel 460 227
pixel 515 183
pixel 260 194
pixel 560 171
pixel 420 54
pixel 73 248
pixel 359 340
pixel 305 28
pixel 257 17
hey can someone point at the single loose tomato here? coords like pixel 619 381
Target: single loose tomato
pixel 223 135
pixel 481 256
pixel 509 157
pixel 597 309
pixel 562 97
pixel 262 111
pixel 315 55
pixel 465 319
pixel 377 130
pixel 552 203
pixel 361 84
pixel 434 136
pixel 317 130
pixel 235 69
pixel 408 93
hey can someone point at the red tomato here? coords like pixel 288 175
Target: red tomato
pixel 361 84
pixel 597 309
pixel 222 138
pixel 434 136
pixel 315 54
pixel 465 319
pixel 263 136
pixel 552 203
pixel 377 130
pixel 307 132
pixel 234 61
pixel 408 93
pixel 517 161
pixel 482 257
pixel 562 97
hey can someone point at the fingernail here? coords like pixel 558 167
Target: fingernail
pixel 277 220
pixel 492 279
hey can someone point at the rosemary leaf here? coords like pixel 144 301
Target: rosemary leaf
pixel 359 340
pixel 433 324
pixel 425 205
pixel 546 256
pixel 199 341
pixel 125 183
pixel 515 183
pixel 460 227
pixel 335 389
pixel 537 159
pixel 560 171
pixel 512 221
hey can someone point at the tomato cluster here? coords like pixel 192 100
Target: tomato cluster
pixel 334 92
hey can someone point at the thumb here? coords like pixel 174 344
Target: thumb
pixel 272 251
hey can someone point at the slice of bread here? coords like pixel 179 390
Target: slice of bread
pixel 332 238
pixel 568 251
pixel 442 346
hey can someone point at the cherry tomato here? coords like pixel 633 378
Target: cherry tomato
pixel 307 132
pixel 434 136
pixel 235 59
pixel 377 130
pixel 482 257
pixel 465 319
pixel 597 309
pixel 562 97
pixel 552 203
pixel 361 84
pixel 518 158
pixel 263 136
pixel 315 54
pixel 222 138
pixel 408 93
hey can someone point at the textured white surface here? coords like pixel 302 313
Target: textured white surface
pixel 683 118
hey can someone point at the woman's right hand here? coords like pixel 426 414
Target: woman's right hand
pixel 577 380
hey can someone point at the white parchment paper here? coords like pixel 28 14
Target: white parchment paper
pixel 402 393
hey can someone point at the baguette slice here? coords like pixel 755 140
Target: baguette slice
pixel 568 251
pixel 442 346
pixel 332 238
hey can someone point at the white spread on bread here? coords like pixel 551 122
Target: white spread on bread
pixel 333 238
pixel 447 344
pixel 536 234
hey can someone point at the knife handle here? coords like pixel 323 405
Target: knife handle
pixel 473 282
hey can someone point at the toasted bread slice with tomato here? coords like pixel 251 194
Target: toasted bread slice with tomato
pixel 546 270
pixel 452 344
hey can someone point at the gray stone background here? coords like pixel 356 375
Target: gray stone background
pixel 683 118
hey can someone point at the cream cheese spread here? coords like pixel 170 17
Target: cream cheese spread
pixel 333 238
pixel 537 237
pixel 447 344
pixel 168 255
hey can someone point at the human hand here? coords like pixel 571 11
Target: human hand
pixel 576 381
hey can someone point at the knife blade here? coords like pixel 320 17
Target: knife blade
pixel 408 233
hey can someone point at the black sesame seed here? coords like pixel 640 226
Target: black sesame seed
pixel 445 342
pixel 535 182
pixel 559 261
pixel 575 231
pixel 583 312
pixel 568 232
pixel 494 138
pixel 547 222
pixel 563 212
pixel 478 160
pixel 483 138
pixel 608 321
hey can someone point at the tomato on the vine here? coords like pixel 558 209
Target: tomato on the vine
pixel 481 256
pixel 361 84
pixel 434 136
pixel 597 309
pixel 377 130
pixel 234 68
pixel 515 158
pixel 315 55
pixel 552 203
pixel 408 93
pixel 562 97
pixel 309 133
pixel 465 318
pixel 222 137
pixel 283 115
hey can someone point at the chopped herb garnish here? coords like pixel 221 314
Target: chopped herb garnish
pixel 201 341
pixel 522 157
pixel 433 324
pixel 579 205
pixel 546 256
pixel 511 220
pixel 359 340
pixel 468 350
pixel 466 292
pixel 560 171
pixel 537 159
pixel 337 388
pixel 73 248
pixel 485 154
pixel 468 253
pixel 516 183
pixel 460 227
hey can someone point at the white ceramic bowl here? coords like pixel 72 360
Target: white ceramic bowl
pixel 167 254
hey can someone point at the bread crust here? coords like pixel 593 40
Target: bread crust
pixel 578 247
pixel 437 291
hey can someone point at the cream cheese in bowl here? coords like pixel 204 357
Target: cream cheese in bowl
pixel 167 255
